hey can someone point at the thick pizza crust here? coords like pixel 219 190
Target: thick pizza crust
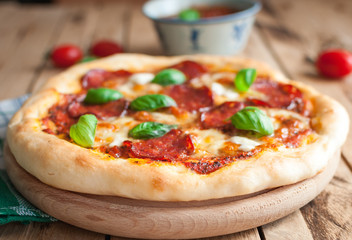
pixel 64 165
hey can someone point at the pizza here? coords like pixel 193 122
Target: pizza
pixel 175 128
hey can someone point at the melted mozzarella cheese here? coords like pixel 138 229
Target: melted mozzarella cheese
pixel 207 141
pixel 141 78
pixel 220 75
pixel 116 134
pixel 221 90
pixel 274 113
pixel 246 144
pixel 120 137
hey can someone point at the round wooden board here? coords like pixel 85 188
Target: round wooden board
pixel 167 220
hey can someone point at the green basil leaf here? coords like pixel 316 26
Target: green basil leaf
pixel 189 15
pixel 83 132
pixel 254 119
pixel 101 95
pixel 169 77
pixel 88 59
pixel 152 102
pixel 149 130
pixel 245 78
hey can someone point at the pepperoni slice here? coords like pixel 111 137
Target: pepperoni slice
pixel 256 102
pixel 96 77
pixel 191 69
pixel 58 115
pixel 174 145
pixel 217 117
pixel 110 109
pixel 189 98
pixel 281 95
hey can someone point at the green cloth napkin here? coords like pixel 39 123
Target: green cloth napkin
pixel 13 207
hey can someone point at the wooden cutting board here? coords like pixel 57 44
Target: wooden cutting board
pixel 167 220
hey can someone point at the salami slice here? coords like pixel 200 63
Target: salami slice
pixel 96 77
pixel 281 95
pixel 110 109
pixel 218 116
pixel 175 145
pixel 189 98
pixel 57 114
pixel 191 69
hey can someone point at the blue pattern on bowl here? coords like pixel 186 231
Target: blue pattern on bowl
pixel 223 35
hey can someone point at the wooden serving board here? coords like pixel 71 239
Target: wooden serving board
pixel 167 220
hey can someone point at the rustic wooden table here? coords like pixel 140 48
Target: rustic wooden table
pixel 287 35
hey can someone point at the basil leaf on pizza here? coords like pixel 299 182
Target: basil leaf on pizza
pixel 169 77
pixel 152 102
pixel 149 130
pixel 244 79
pixel 254 119
pixel 83 132
pixel 102 95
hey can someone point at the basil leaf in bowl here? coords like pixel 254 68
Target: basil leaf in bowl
pixel 149 130
pixel 189 15
pixel 152 102
pixel 254 119
pixel 83 132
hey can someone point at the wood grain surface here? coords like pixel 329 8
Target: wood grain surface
pixel 287 35
pixel 165 220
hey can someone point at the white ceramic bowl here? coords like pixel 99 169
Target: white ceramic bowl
pixel 224 35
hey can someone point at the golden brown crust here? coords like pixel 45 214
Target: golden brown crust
pixel 62 164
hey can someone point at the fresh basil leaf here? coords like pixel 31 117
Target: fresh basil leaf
pixel 245 78
pixel 169 77
pixel 189 15
pixel 152 102
pixel 101 95
pixel 88 59
pixel 83 132
pixel 149 130
pixel 254 119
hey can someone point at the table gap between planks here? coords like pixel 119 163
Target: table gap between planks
pixel 287 35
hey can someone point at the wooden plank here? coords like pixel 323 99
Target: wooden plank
pixel 13 231
pixel 251 234
pixel 78 26
pixel 111 24
pixel 58 231
pixel 21 66
pixel 7 9
pixel 257 50
pixel 52 231
pixel 329 214
pixel 142 37
pixel 291 227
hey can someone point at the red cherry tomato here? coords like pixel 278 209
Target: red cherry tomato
pixel 66 55
pixel 335 63
pixel 105 48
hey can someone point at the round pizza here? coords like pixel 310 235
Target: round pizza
pixel 175 128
